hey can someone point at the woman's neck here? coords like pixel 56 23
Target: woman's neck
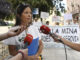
pixel 23 23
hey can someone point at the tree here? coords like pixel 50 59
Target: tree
pixel 5 9
pixel 58 13
pixel 43 5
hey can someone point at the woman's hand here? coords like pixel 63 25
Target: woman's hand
pixel 56 38
pixel 15 30
pixel 25 51
pixel 34 57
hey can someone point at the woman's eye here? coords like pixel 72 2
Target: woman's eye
pixel 28 12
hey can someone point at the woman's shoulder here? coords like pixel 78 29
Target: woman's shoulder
pixel 32 27
pixel 33 31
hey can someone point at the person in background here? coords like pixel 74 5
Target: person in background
pixel 57 23
pixel 41 20
pixel 75 22
pixel 47 22
pixel 37 23
pixel 24 17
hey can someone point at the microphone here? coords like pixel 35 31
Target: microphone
pixel 46 30
pixel 28 40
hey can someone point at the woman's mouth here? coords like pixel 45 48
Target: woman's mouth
pixel 28 18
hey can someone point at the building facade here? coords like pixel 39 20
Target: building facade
pixel 59 5
pixel 73 6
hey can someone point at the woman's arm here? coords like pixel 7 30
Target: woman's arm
pixel 72 45
pixel 12 32
pixel 23 54
pixel 3 36
pixel 40 48
pixel 12 50
pixel 17 57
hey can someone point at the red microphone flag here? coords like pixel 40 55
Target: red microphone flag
pixel 28 39
pixel 45 29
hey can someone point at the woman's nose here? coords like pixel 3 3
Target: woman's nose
pixel 29 15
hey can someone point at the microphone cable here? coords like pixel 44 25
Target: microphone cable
pixel 62 43
pixel 65 49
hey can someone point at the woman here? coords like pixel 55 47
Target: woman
pixel 24 18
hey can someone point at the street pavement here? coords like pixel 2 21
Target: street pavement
pixel 4 29
pixel 59 54
pixel 55 54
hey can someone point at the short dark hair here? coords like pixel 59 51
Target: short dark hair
pixel 19 11
pixel 47 22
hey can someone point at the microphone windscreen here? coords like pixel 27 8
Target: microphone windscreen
pixel 28 39
pixel 45 29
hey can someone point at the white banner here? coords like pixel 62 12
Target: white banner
pixel 44 15
pixel 68 17
pixel 70 33
pixel 56 18
pixel 35 11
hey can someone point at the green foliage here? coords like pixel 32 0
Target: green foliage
pixel 10 17
pixel 58 13
pixel 43 5
pixel 34 3
pixel 65 11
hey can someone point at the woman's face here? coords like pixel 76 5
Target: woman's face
pixel 26 16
